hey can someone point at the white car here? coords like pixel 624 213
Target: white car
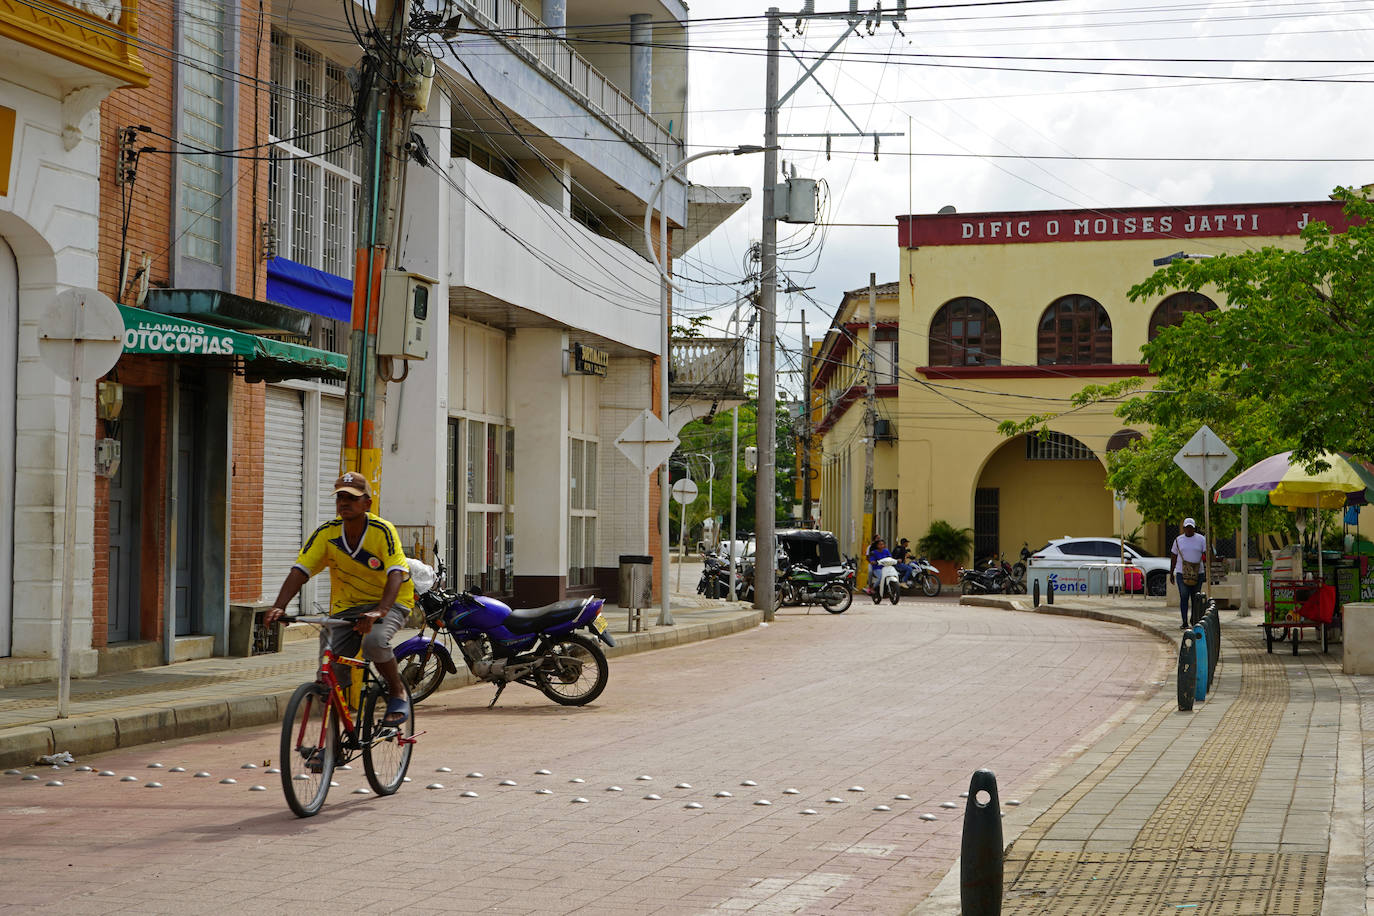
pixel 1069 550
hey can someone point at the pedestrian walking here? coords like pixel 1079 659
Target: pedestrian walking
pixel 1185 565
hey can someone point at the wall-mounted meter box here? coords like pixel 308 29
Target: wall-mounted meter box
pixel 403 328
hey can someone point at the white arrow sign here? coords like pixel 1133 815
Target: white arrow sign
pixel 1205 458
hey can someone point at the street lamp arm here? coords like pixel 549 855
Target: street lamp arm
pixel 658 189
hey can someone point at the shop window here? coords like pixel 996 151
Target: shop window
pixel 1170 312
pixel 1053 446
pixel 1075 330
pixel 479 505
pixel 965 332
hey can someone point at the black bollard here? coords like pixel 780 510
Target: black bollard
pixel 1035 593
pixel 1049 593
pixel 980 863
pixel 1187 672
pixel 1195 608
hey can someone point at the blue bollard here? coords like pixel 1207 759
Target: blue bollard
pixel 1187 672
pixel 1213 621
pixel 1200 635
pixel 980 862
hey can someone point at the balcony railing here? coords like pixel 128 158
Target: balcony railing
pixel 706 368
pixel 100 35
pixel 537 43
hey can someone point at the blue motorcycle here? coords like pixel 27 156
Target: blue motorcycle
pixel 537 647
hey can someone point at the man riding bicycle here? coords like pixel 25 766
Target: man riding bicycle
pixel 368 579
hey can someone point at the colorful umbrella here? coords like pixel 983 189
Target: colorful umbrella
pixel 1278 481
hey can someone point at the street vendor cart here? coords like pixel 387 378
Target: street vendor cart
pixel 1294 598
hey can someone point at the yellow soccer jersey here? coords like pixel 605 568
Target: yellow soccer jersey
pixel 357 571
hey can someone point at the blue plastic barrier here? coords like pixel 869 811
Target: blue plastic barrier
pixel 1203 657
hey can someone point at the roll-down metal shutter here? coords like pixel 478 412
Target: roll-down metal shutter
pixel 283 488
pixel 331 441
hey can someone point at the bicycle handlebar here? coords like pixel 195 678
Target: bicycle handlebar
pixel 320 620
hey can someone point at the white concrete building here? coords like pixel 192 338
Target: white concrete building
pixel 541 150
pixel 61 64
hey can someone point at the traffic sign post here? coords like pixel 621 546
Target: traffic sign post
pixel 684 492
pixel 1205 458
pixel 80 338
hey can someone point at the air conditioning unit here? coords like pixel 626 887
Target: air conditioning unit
pixel 883 431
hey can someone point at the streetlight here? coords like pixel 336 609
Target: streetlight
pixel 1178 256
pixel 665 616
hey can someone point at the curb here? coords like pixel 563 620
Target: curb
pixel 22 745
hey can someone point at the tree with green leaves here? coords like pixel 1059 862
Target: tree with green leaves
pixel 1286 365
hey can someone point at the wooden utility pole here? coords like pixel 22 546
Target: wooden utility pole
pixel 870 414
pixel 806 425
pixel 385 121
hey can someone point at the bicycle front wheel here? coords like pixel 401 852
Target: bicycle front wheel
pixel 309 748
pixel 386 751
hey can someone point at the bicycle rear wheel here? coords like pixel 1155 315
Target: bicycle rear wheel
pixel 309 749
pixel 385 755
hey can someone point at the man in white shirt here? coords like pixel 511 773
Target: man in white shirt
pixel 1185 565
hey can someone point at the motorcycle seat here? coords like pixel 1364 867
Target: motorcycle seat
pixel 533 619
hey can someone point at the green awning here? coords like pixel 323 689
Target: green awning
pixel 264 359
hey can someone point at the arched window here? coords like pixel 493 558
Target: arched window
pixel 965 332
pixel 1075 330
pixel 1122 438
pixel 1170 312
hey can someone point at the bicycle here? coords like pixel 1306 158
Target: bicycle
pixel 330 721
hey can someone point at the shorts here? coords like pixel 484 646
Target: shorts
pixel 376 645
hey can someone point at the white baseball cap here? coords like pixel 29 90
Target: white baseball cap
pixel 1189 523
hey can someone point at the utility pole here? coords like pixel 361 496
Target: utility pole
pixel 385 122
pixel 765 502
pixel 806 426
pixel 870 413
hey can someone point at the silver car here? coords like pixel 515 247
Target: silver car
pixel 1106 550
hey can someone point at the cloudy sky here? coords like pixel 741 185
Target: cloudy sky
pixel 1027 105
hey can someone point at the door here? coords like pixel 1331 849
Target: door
pixel 126 492
pixel 986 522
pixel 9 362
pixel 190 487
pixel 283 488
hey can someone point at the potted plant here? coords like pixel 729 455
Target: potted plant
pixel 946 547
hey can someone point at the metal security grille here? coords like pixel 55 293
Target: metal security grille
pixel 283 483
pixel 1052 446
pixel 313 183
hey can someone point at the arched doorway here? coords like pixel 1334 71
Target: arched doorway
pixel 1036 488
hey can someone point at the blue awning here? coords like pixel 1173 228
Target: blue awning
pixel 309 290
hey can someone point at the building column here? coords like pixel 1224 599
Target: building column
pixel 642 60
pixel 555 16
pixel 551 185
pixel 539 414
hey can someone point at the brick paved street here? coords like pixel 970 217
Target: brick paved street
pixel 897 700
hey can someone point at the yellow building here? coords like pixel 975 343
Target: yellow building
pixel 1002 316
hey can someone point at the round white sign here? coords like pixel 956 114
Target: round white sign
pixel 81 335
pixel 685 490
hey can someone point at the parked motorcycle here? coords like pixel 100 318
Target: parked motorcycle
pixel 1018 569
pixel 715 577
pixel 538 647
pixel 1014 584
pixel 801 585
pixel 990 581
pixel 922 575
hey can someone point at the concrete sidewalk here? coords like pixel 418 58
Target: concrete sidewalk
pixel 215 694
pixel 1252 803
